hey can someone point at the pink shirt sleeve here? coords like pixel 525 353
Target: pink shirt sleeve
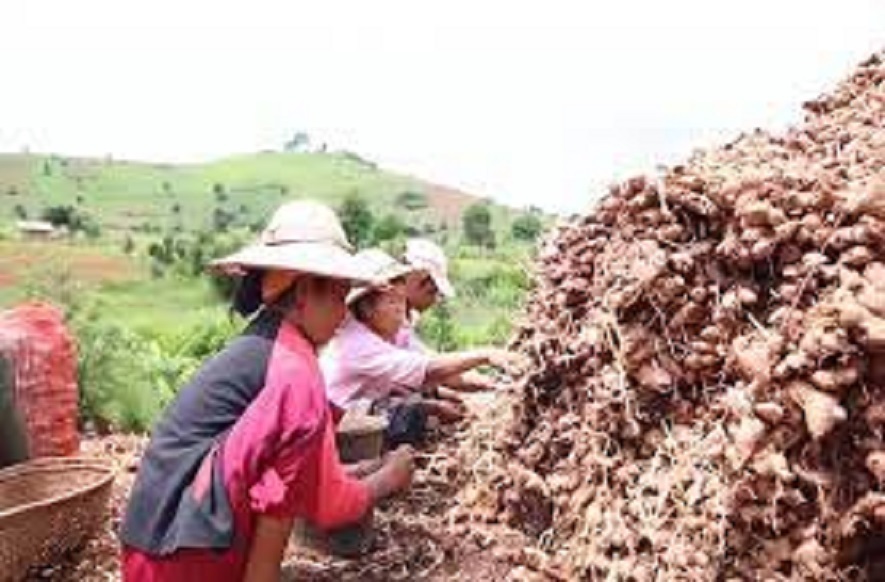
pixel 387 365
pixel 360 364
pixel 313 486
pixel 303 475
pixel 334 499
pixel 283 448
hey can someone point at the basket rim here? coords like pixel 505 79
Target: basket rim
pixel 53 464
pixel 363 426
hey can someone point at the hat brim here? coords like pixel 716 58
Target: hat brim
pixel 443 285
pixel 321 259
pixel 394 273
pixel 440 279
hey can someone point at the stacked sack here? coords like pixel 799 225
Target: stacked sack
pixel 41 370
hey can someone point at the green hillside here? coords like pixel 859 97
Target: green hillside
pixel 131 196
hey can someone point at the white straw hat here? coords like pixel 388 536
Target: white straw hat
pixel 383 269
pixel 302 236
pixel 426 255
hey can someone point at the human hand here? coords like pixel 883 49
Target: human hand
pixel 398 468
pixel 447 411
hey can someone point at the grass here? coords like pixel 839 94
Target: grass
pixel 119 286
pixel 173 305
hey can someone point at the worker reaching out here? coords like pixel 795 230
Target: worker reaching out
pixel 249 444
pixel 427 284
pixel 366 367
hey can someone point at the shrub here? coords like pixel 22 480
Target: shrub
pixel 437 329
pixel 73 218
pixel 357 219
pixel 526 227
pixel 388 228
pixel 219 191
pixel 116 387
pixel 477 223
pixel 411 200
pixel 222 219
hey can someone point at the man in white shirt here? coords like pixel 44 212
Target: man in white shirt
pixel 427 285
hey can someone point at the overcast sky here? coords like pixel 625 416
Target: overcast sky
pixel 529 102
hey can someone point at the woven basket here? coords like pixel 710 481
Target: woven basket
pixel 49 507
pixel 360 437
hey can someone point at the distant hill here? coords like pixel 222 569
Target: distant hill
pixel 126 196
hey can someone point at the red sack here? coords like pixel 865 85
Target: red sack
pixel 34 338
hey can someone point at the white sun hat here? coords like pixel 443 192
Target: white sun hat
pixel 426 255
pixel 302 236
pixel 383 269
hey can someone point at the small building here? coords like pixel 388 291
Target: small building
pixel 36 229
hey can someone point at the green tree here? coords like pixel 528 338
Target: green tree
pixel 219 191
pixel 477 223
pixel 526 227
pixel 388 228
pixel 90 227
pixel 222 219
pixel 357 219
pixel 299 141
pixel 411 200
pixel 20 212
pixel 72 218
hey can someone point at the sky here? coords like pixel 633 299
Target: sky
pixel 531 103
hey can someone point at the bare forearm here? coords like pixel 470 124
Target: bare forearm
pixel 470 381
pixel 379 486
pixel 444 367
pixel 268 548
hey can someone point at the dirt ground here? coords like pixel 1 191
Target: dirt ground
pixel 413 538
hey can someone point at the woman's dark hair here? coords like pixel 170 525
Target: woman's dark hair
pixel 362 307
pixel 247 295
pixel 247 298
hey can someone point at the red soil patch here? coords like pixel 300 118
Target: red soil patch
pixel 6 279
pixel 90 265
pixel 448 203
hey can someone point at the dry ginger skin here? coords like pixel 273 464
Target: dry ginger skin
pixel 708 364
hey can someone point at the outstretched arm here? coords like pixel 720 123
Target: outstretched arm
pixel 443 368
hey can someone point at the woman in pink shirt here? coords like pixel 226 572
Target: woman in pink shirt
pixel 249 444
pixel 365 364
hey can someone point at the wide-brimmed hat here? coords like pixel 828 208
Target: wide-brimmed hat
pixel 383 269
pixel 426 256
pixel 302 236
